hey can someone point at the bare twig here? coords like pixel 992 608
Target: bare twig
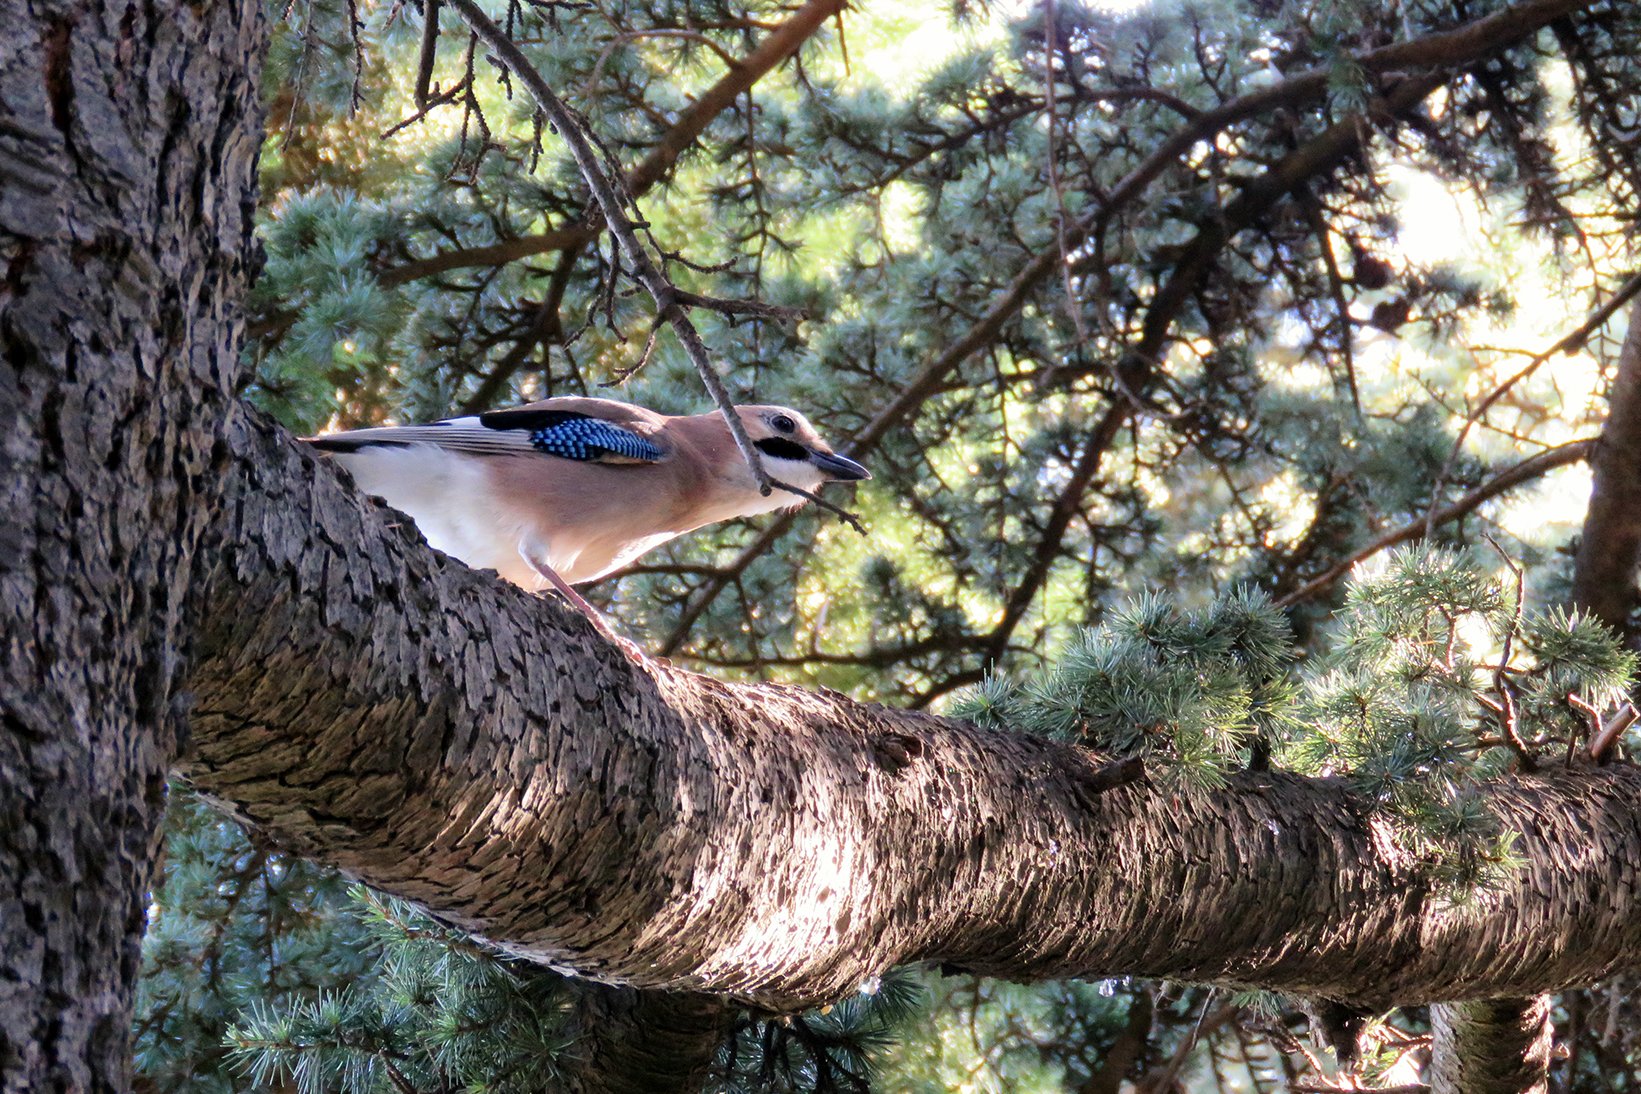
pixel 740 307
pixel 1530 468
pixel 432 103
pixel 1508 712
pixel 843 514
pixel 1062 215
pixel 669 307
pixel 1614 729
pixel 1568 343
pixel 1336 287
pixel 622 375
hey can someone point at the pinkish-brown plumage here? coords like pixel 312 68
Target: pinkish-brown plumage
pixel 488 491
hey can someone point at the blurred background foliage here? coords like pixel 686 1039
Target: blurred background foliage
pixel 1085 365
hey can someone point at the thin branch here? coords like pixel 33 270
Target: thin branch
pixel 668 305
pixel 741 307
pixel 690 124
pixel 1568 343
pixel 1531 468
pixel 843 514
pixel 1062 214
pixel 547 324
pixel 425 59
pixel 429 104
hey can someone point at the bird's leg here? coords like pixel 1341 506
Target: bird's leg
pixel 579 603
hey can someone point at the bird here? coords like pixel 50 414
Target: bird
pixel 568 490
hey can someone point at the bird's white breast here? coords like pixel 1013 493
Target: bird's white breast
pixel 451 499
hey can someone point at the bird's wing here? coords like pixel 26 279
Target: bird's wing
pixel 586 430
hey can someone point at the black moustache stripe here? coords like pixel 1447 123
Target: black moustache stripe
pixel 783 449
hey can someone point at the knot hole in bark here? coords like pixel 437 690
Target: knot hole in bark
pixel 895 752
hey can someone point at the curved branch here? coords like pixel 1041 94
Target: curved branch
pixel 484 753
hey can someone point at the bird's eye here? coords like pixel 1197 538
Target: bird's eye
pixel 783 423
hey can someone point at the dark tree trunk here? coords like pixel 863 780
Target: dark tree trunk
pixel 479 751
pixel 1491 1046
pixel 1609 550
pixel 643 1042
pixel 128 143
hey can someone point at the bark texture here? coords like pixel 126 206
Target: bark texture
pixel 643 1042
pixel 1491 1046
pixel 1609 551
pixel 484 753
pixel 128 142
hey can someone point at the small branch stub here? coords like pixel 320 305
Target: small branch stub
pixel 1601 745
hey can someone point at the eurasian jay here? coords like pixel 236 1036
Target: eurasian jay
pixel 568 490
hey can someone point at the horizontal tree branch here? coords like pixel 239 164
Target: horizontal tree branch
pixel 450 739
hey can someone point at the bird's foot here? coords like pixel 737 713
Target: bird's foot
pixel 630 649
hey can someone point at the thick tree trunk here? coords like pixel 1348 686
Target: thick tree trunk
pixel 1609 550
pixel 643 1042
pixel 483 752
pixel 1491 1046
pixel 128 143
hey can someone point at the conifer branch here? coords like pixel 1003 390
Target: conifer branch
pixel 781 44
pixel 1527 470
pixel 1446 51
pixel 670 306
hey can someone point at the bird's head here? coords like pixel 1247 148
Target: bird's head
pixel 792 451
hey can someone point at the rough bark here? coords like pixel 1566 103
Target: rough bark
pixel 643 1042
pixel 482 752
pixel 1609 551
pixel 128 142
pixel 1491 1046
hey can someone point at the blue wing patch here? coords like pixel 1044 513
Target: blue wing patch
pixel 593 439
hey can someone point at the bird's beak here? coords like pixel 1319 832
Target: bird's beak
pixel 839 468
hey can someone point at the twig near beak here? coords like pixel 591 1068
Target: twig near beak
pixel 843 514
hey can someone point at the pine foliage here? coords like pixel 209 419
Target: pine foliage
pixel 1100 514
pixel 1436 682
pixel 442 1012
